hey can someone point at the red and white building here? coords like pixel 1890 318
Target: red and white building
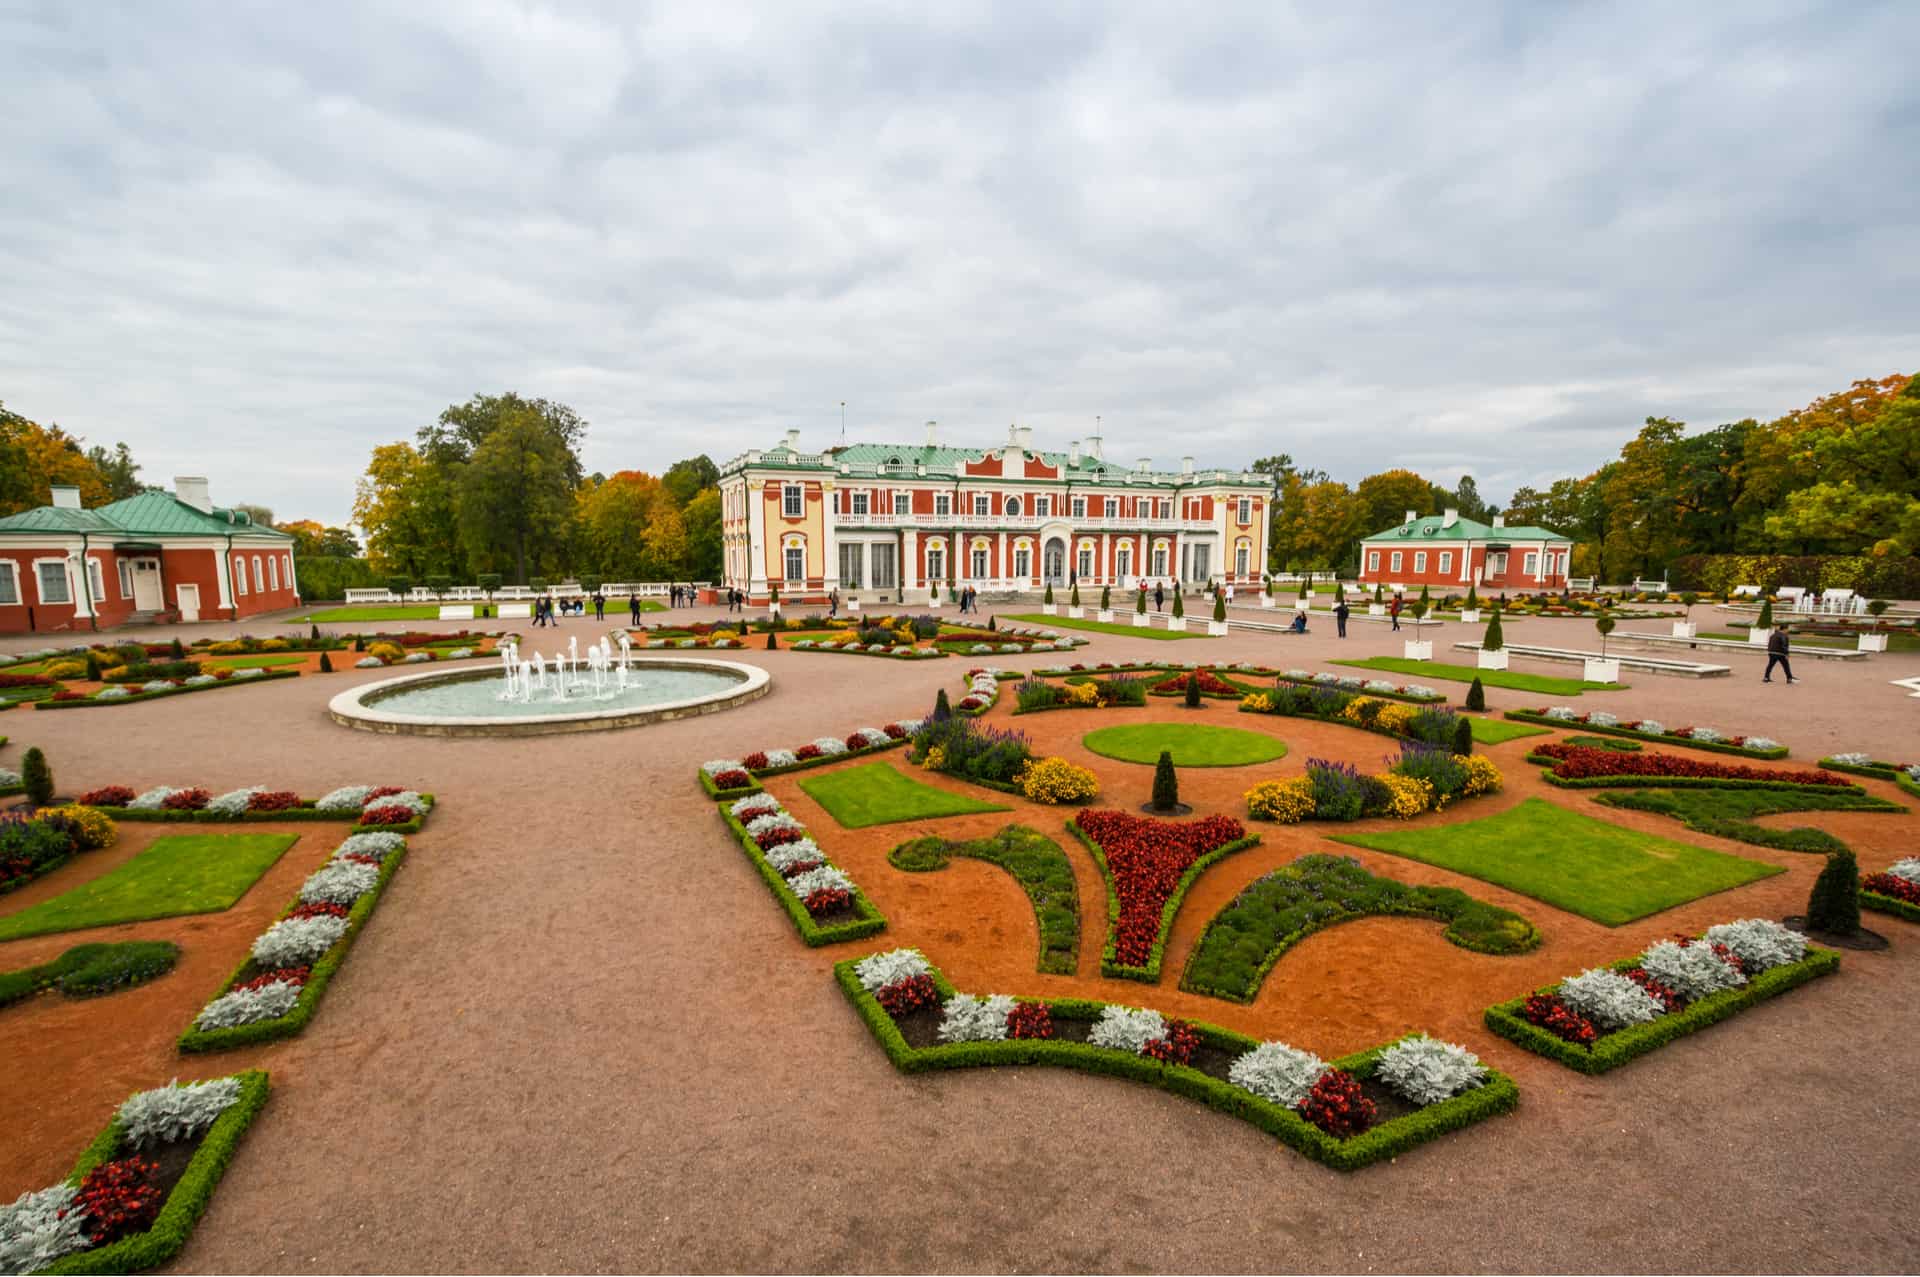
pixel 1445 551
pixel 895 520
pixel 155 555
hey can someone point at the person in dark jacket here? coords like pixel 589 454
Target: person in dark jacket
pixel 1159 598
pixel 1777 655
pixel 1340 614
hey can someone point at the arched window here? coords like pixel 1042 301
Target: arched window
pixel 239 574
pixel 259 577
pixel 1012 508
pixel 273 571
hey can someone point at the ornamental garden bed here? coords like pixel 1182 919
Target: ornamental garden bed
pixel 825 905
pixel 139 1189
pixel 1730 813
pixel 1414 693
pixel 1092 626
pixel 1895 891
pixel 1585 767
pixel 726 779
pixel 277 989
pixel 1424 778
pixel 1904 775
pixel 1345 1114
pixel 34 845
pixel 877 794
pixel 1211 685
pixel 1607 1016
pixel 1034 695
pixel 91 970
pixel 156 689
pixel 369 807
pixel 1703 738
pixel 1148 865
pixel 1036 862
pixel 1273 913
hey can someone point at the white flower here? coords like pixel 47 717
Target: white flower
pixel 981 649
pixel 882 969
pixel 152 798
pixel 1913 771
pixel 830 745
pixel 825 878
pixel 1609 999
pixel 235 801
pixel 346 799
pixel 1127 1029
pixel 1650 727
pixel 1907 868
pixel 367 663
pixel 115 693
pixel 255 672
pixel 1277 1072
pixel 158 685
pixel 1759 943
pixel 1297 676
pixel 1600 718
pixel 1760 744
pixel 714 766
pixel 687 643
pixel 873 736
pixel 911 725
pixel 338 882
pixel 781 758
pixel 201 680
pixel 459 653
pixel 1425 1071
pixel 378 844
pixel 1419 690
pixel 168 1114
pixel 1693 971
pixel 1708 734
pixel 1562 714
pixel 769 823
pixel 407 798
pixel 40 1227
pixel 753 805
pixel 415 658
pixel 1854 760
pixel 248 1006
pixel 1326 679
pixel 967 1018
pixel 786 855
pixel 803 644
pixel 297 942
pixel 656 643
pixel 1379 685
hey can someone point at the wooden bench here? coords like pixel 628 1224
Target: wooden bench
pixel 1741 645
pixel 1648 664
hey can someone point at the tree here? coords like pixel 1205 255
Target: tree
pixel 687 479
pixel 306 534
pixel 118 469
pixel 515 498
pixel 1834 905
pixel 1193 689
pixel 1494 639
pixel 1477 696
pixel 628 528
pixel 34 457
pixel 37 777
pixel 702 519
pixel 1166 783
pixel 1385 498
pixel 260 515
pixel 339 543
pixel 1463 735
pixel 463 428
pixel 1604 624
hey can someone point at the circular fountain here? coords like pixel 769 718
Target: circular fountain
pixel 535 696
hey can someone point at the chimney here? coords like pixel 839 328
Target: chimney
pixel 1073 453
pixel 1093 447
pixel 1186 465
pixel 192 490
pixel 1026 438
pixel 793 441
pixel 931 425
pixel 65 496
pixel 1411 516
pixel 1144 465
pixel 1499 520
pixel 1452 517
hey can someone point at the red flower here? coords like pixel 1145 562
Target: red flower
pixel 284 975
pixel 107 796
pixel 732 778
pixel 894 731
pixel 186 800
pixel 1177 1047
pixel 1668 997
pixel 827 899
pixel 1337 1106
pixel 319 910
pixel 1146 859
pixel 906 995
pixel 756 761
pixel 1548 1012
pixel 1030 1020
pixel 118 1198
pixel 807 751
pixel 1581 762
pixel 274 800
pixel 1889 885
pixel 1210 685
pixel 388 814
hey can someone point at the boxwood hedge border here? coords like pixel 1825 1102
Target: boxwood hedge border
pixel 197 1041
pixel 1635 781
pixel 1497 1095
pixel 1712 747
pixel 867 919
pixel 168 1234
pixel 1628 1044
pixel 1149 974
pixel 305 812
pixel 1889 905
pixel 1878 771
pixel 94 701
pixel 741 791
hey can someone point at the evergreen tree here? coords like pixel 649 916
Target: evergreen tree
pixel 1140 601
pixel 1379 594
pixel 1073 596
pixel 1766 614
pixel 1834 906
pixel 772 644
pixel 93 665
pixel 942 711
pixel 326 665
pixel 1166 784
pixel 179 653
pixel 1477 696
pixel 1219 607
pixel 359 642
pixel 1473 597
pixel 1604 624
pixel 1425 601
pixel 1493 642
pixel 1179 609
pixel 1193 690
pixel 37 777
pixel 1463 736
pixel 1048 596
pixel 1106 598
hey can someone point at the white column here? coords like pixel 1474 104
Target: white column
pixel 830 548
pixel 756 538
pixel 909 570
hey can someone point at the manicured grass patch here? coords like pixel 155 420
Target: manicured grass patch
pixel 1603 872
pixel 1104 627
pixel 1192 744
pixel 179 874
pixel 1276 912
pixel 1543 683
pixel 1036 863
pixel 1495 731
pixel 1729 813
pixel 255 660
pixel 89 970
pixel 877 794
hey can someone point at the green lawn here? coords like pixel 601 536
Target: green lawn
pixel 1729 813
pixel 179 874
pixel 1601 871
pixel 1192 744
pixel 1543 683
pixel 1494 731
pixel 877 794
pixel 431 611
pixel 1897 641
pixel 1101 627
pixel 254 660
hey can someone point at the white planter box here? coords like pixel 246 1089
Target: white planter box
pixel 774 607
pixel 1683 629
pixel 1178 624
pixel 1376 609
pixel 1758 637
pixel 1598 671
pixel 1470 616
pixel 1104 616
pixel 853 605
pixel 1217 628
pixel 1050 609
pixel 1266 600
pixel 1872 642
pixel 1301 605
pixel 1419 649
pixel 1494 660
pixel 1076 612
pixel 1143 619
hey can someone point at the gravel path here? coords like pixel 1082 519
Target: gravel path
pixel 579 1036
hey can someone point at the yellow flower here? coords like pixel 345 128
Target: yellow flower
pixel 1409 796
pixel 89 826
pixel 1482 776
pixel 1055 780
pixel 1257 703
pixel 387 653
pixel 1286 801
pixel 1394 717
pixel 936 759
pixel 1081 694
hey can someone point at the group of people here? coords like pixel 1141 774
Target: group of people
pixel 680 596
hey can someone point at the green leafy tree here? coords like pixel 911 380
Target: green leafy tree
pixel 119 471
pixel 687 479
pixel 516 494
pixel 1605 625
pixel 702 519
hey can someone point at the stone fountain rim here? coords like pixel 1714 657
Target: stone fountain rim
pixel 355 707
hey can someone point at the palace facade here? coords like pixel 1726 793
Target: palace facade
pixel 894 520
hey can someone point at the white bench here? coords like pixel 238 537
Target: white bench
pixel 1745 592
pixel 456 611
pixel 516 611
pixel 1627 660
pixel 1584 584
pixel 1743 645
pixel 1643 586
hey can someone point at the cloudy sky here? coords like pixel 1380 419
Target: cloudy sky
pixel 255 240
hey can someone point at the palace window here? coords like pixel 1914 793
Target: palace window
pixel 902 503
pixel 1446 562
pixel 1373 560
pixel 54 586
pixel 1079 507
pixel 1165 511
pixel 126 579
pixel 936 562
pixel 9 584
pixel 982 504
pixel 1420 562
pixel 239 574
pixel 1012 507
pixel 1113 507
pixel 1246 509
pixel 943 504
pixel 1242 557
pixel 1086 562
pixel 796 563
pixel 1159 560
pixel 1394 563
pixel 1042 507
pixel 790 500
pixel 97 578
pixel 980 570
pixel 1533 564
pixel 860 502
pixel 1022 562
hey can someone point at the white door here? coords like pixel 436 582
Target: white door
pixel 189 596
pixel 146 585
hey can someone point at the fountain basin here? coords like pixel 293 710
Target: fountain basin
pixel 466 702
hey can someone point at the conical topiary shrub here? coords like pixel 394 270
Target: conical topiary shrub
pixel 1073 595
pixel 1494 641
pixel 1166 784
pixel 1179 608
pixel 179 653
pixel 1766 615
pixel 37 777
pixel 1140 601
pixel 326 665
pixel 1473 597
pixel 1477 696
pixel 772 645
pixel 1379 593
pixel 942 711
pixel 359 642
pixel 1425 601
pixel 1048 596
pixel 1834 906
pixel 1463 736
pixel 1193 690
pixel 1219 607
pixel 1106 598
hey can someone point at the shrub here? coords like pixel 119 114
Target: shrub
pixel 171 1114
pixel 249 1006
pixel 387 653
pixel 1405 796
pixel 1336 1105
pixel 107 796
pixel 37 777
pixel 968 1018
pixel 339 882
pixel 1277 1072
pixel 1166 783
pixel 233 802
pixel 1482 776
pixel 1494 640
pixel 1609 999
pixel 1693 971
pixel 89 829
pixel 1439 767
pixel 882 969
pixel 40 1227
pixel 1126 1028
pixel 294 942
pixel 1759 943
pixel 195 799
pixel 1337 793
pixel 1462 737
pixel 1424 1071
pixel 1055 781
pixel 1834 905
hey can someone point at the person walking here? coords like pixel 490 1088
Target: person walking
pixel 1340 613
pixel 833 604
pixel 1159 597
pixel 599 606
pixel 1393 610
pixel 1777 655
pixel 633 608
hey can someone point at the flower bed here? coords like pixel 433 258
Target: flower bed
pixel 1896 891
pixel 1904 775
pixel 1580 766
pixel 119 1212
pixel 1705 738
pixel 1424 778
pixel 1211 684
pixel 1036 863
pixel 1604 1018
pixel 900 651
pixel 1148 866
pixel 1035 695
pixel 387 807
pixel 1245 939
pixel 938 1028
pixel 726 779
pixel 823 902
pixel 31 847
pixel 276 990
pixel 123 695
pixel 1414 693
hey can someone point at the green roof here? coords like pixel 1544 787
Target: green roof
pixel 1433 527
pixel 150 513
pixel 877 457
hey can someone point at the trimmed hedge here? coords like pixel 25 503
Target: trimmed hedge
pixel 1889 904
pixel 1634 1041
pixel 1877 770
pixel 741 791
pixel 189 1198
pixel 94 702
pixel 1678 782
pixel 866 921
pixel 306 811
pixel 1438 698
pixel 856 650
pixel 1149 974
pixel 1686 742
pixel 195 1040
pixel 1498 1095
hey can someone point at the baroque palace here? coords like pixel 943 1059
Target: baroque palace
pixel 893 520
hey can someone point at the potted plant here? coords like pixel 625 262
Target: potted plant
pixel 1266 595
pixel 1106 604
pixel 1305 599
pixel 1073 599
pixel 1046 602
pixel 1141 617
pixel 1379 605
pixel 1602 670
pixel 1684 629
pixel 1874 640
pixel 1762 629
pixel 1470 614
pixel 1493 646
pixel 773 598
pixel 1178 620
pixel 1218 625
pixel 1417 648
